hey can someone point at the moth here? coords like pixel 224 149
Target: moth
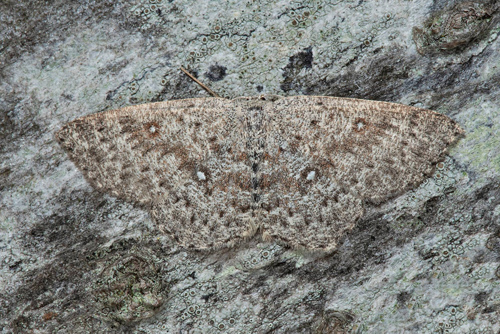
pixel 299 169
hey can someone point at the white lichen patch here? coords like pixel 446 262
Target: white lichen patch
pixel 220 37
pixel 403 290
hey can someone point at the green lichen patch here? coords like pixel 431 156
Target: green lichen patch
pixel 130 287
pixel 455 27
pixel 332 322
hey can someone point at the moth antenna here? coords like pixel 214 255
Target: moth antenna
pixel 211 92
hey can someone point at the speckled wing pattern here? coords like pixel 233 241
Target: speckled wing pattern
pixel 326 156
pixel 185 160
pixel 298 169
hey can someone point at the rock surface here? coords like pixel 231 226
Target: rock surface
pixel 73 260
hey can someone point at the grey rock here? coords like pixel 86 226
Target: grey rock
pixel 73 260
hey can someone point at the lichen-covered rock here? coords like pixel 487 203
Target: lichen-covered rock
pixel 455 27
pixel 423 262
pixel 129 288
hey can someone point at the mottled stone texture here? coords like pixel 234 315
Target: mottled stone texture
pixel 74 260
